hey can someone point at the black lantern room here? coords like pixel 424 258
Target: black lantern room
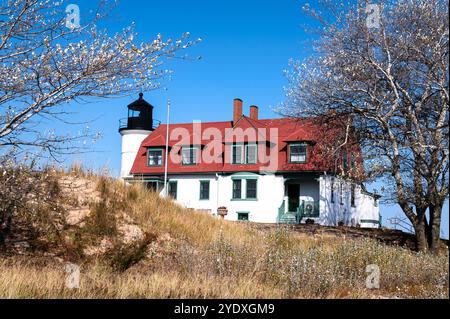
pixel 140 116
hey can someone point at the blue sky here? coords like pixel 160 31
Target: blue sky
pixel 246 46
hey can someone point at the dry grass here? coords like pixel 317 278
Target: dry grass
pixel 187 254
pixel 100 282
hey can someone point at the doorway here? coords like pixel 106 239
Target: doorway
pixel 293 193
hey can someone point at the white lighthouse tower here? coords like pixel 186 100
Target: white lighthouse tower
pixel 134 130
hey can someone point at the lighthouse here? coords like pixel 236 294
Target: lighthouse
pixel 134 129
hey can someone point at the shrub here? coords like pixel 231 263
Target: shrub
pixel 123 256
pixel 102 219
pixel 30 201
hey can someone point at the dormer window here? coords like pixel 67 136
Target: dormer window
pixel 189 155
pixel 154 157
pixel 244 154
pixel 297 153
pixel 237 153
pixel 251 153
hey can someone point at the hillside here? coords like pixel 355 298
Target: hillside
pixel 130 243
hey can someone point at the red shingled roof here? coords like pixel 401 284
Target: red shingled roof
pixel 289 130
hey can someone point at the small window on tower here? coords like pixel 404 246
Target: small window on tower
pixel 134 113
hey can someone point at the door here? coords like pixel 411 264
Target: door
pixel 293 197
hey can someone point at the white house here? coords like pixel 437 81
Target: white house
pixel 260 170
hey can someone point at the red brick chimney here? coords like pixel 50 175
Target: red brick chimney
pixel 237 110
pixel 254 112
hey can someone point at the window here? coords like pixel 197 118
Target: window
pixel 189 155
pixel 352 195
pixel 237 153
pixel 332 190
pixel 237 185
pixel 134 113
pixel 172 191
pixel 341 191
pixel 251 153
pixel 297 153
pixel 204 190
pixel 251 188
pixel 245 187
pixel 243 216
pixel 352 161
pixel 154 157
pixel 152 185
pixel 375 202
pixel 244 154
pixel 345 160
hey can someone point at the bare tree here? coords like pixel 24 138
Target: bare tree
pixel 386 68
pixel 46 62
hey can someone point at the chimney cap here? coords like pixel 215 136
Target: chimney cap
pixel 254 106
pixel 237 99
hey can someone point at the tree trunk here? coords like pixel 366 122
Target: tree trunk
pixel 435 227
pixel 421 236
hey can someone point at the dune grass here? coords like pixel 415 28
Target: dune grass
pixel 189 254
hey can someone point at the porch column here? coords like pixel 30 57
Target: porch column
pixel 324 193
pixel 286 203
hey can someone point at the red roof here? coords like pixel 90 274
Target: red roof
pixel 302 133
pixel 215 136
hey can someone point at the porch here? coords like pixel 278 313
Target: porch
pixel 301 200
